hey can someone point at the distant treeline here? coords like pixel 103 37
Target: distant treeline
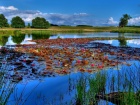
pixel 69 25
pixel 18 22
pixel 84 26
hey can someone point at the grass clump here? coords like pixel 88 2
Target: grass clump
pixel 121 88
pixel 89 87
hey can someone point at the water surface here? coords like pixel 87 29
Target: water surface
pixel 61 88
pixel 26 38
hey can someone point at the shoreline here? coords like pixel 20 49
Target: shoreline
pixel 68 29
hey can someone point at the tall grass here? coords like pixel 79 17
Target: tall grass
pixel 89 87
pixel 127 30
pixel 69 29
pixel 119 87
pixel 6 86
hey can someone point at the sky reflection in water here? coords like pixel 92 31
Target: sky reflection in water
pixel 53 87
pixel 130 43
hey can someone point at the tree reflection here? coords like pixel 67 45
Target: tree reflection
pixel 40 36
pixel 18 38
pixel 3 40
pixel 122 40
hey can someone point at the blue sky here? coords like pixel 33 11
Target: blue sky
pixel 73 12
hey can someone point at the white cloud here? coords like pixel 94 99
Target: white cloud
pixel 111 21
pixel 58 18
pixel 69 19
pixel 134 21
pixel 55 18
pixel 28 19
pixel 9 8
pixel 110 41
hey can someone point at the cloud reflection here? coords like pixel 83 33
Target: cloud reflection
pixel 110 41
pixel 27 40
pixel 10 41
pixel 135 41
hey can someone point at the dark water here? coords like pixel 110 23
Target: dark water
pixel 59 89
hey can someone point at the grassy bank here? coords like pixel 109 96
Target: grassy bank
pixel 68 29
pixel 127 30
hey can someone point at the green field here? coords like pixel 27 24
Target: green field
pixel 68 29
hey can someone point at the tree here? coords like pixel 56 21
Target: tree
pixel 124 20
pixel 17 22
pixel 3 21
pixel 39 22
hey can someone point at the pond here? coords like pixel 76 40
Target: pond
pixel 33 84
pixel 24 38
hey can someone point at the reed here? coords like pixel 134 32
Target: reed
pixel 121 87
pixel 6 87
pixel 81 91
pixel 89 87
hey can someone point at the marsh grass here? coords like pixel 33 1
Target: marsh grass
pixel 119 87
pixel 6 87
pixel 68 29
pixel 127 30
pixel 81 91
pixel 89 87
